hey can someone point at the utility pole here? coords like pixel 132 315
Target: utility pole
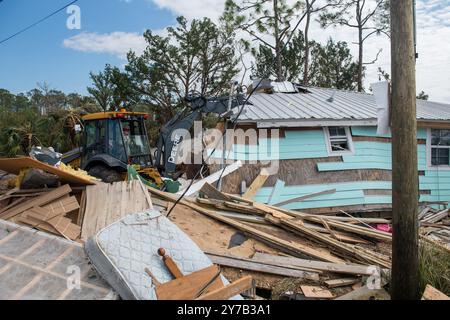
pixel 405 264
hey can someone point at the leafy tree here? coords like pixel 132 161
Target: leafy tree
pixel 293 58
pixel 102 89
pixel 6 99
pixel 333 66
pixel 199 57
pixel 367 18
pixel 263 19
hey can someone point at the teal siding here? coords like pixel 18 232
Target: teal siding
pixel 372 132
pixel 310 144
pixel 307 144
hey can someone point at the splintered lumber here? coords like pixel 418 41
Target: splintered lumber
pixel 436 217
pixel 189 286
pixel 36 202
pixel 343 268
pixel 424 212
pixel 364 231
pixel 290 247
pixel 230 290
pixel 256 185
pixel 432 293
pixel 211 179
pixel 342 248
pixel 304 197
pixel 213 193
pixel 316 292
pixel 249 264
pixel 243 208
pixel 51 221
pixel 341 282
pixel 274 212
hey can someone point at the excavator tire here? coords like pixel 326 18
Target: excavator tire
pixel 106 174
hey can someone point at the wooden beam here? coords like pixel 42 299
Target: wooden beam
pixel 230 290
pixel 248 264
pixel 432 293
pixel 342 268
pixel 213 193
pixel 256 185
pixel 335 283
pixel 36 202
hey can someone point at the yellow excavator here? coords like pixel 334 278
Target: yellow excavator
pixel 113 142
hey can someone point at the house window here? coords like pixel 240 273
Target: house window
pixel 339 140
pixel 440 147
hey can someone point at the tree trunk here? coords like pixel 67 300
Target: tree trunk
pixel 306 67
pixel 360 46
pixel 360 60
pixel 405 261
pixel 278 45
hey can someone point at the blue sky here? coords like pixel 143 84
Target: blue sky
pixel 63 58
pixel 39 54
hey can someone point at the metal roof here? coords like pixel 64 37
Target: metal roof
pixel 327 104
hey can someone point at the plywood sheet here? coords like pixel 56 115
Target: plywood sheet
pixel 107 203
pixel 14 165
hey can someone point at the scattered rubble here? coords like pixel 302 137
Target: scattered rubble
pixel 283 254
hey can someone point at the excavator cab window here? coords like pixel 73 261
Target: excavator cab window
pixel 135 138
pixel 95 139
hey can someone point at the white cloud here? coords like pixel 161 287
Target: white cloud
pixel 115 43
pixel 193 8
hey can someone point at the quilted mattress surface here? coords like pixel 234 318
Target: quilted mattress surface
pixel 122 251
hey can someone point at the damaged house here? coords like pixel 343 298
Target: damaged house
pixel 329 155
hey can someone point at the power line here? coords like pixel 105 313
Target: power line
pixel 37 22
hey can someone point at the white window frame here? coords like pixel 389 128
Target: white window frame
pixel 349 142
pixel 429 155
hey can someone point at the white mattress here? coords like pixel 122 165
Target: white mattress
pixel 122 251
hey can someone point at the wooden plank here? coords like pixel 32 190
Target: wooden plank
pixel 304 197
pixel 341 282
pixel 341 268
pixel 36 202
pixel 316 292
pixel 230 290
pixel 212 193
pixel 290 247
pixel 187 287
pixel 14 166
pixel 432 293
pixel 364 231
pixel 12 204
pixel 437 217
pixel 256 185
pixel 248 264
pixel 211 179
pixel 82 208
pixel 340 248
pixel 108 203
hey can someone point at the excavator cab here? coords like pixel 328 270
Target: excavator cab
pixel 114 140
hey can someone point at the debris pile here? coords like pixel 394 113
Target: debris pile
pixel 157 250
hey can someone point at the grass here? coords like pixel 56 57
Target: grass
pixel 434 267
